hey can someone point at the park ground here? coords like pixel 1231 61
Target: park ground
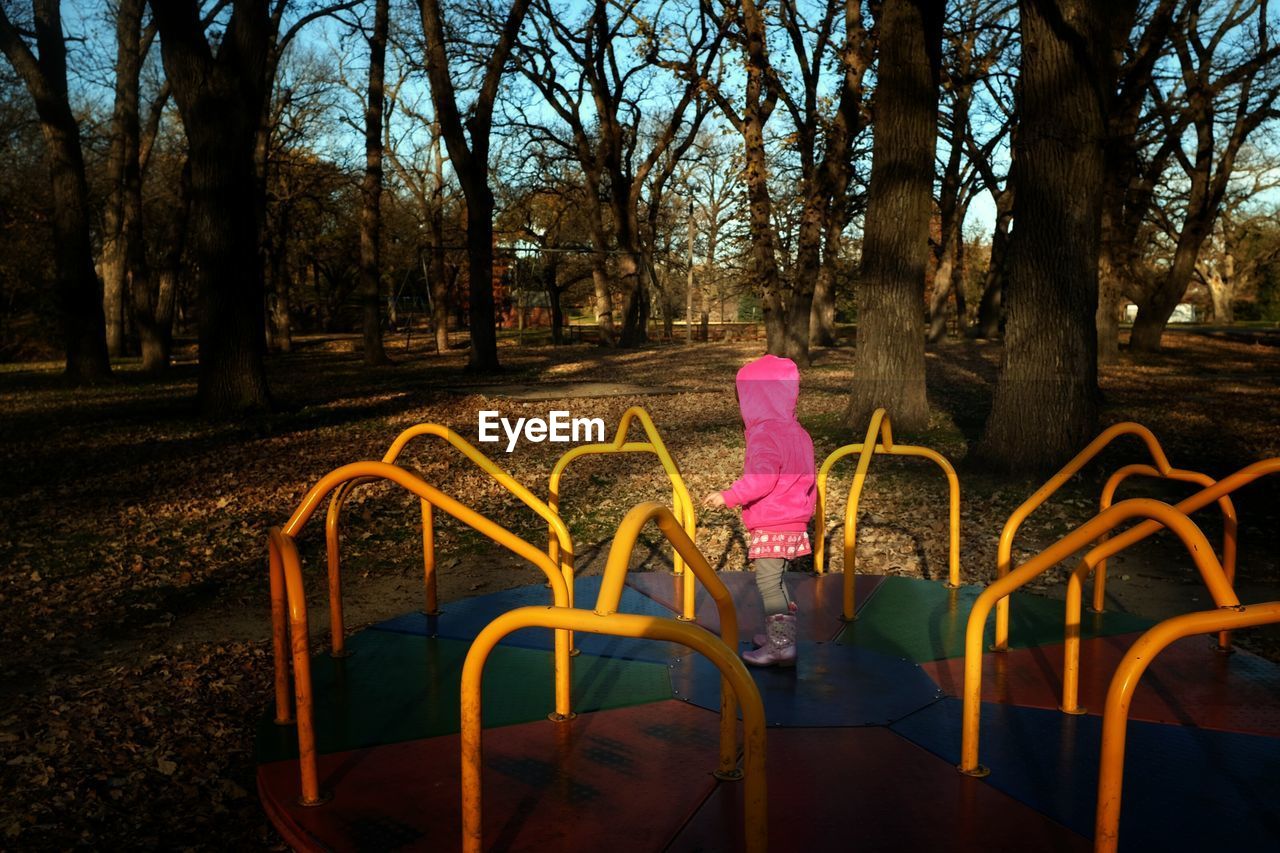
pixel 134 658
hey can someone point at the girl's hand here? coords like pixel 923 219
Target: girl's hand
pixel 713 500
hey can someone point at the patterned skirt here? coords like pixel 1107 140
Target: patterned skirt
pixel 778 545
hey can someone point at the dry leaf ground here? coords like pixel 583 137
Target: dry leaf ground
pixel 133 655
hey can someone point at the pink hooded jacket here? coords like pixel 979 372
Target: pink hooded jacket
pixel 776 490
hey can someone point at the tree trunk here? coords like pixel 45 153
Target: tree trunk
pixel 481 317
pixel 278 328
pixel 950 217
pixel 889 369
pixel 155 359
pixel 631 274
pixel 439 292
pixel 220 99
pixel 957 284
pixel 158 348
pixel 121 257
pixel 78 292
pixel 1107 319
pixel 813 220
pixel 1046 398
pixel 942 281
pixel 280 320
pixel 1154 311
pixel 822 316
pixel 551 286
pixel 1222 285
pixel 991 307
pixel 600 265
pixel 439 284
pixel 760 218
pixel 371 194
pixel 113 281
pixel 707 282
pixel 468 144
pixel 224 241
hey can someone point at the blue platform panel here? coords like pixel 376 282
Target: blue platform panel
pixel 820 599
pixel 463 620
pixel 1184 788
pixel 831 685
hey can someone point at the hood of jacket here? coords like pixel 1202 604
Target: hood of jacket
pixel 767 390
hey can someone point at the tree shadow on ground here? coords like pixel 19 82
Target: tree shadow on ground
pixel 960 377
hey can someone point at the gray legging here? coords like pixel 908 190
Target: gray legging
pixel 773 592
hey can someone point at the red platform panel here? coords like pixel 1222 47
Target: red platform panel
pixel 818 597
pixel 1190 683
pixel 870 790
pixel 618 780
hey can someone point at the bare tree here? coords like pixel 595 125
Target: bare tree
pixel 825 146
pixel 220 95
pixel 1137 151
pixel 128 281
pixel 976 37
pixel 889 370
pixel 79 293
pixel 1046 398
pixel 750 118
pixel 1230 80
pixel 713 177
pixel 621 156
pixel 418 165
pixel 371 192
pixel 990 319
pixel 1226 265
pixel 468 143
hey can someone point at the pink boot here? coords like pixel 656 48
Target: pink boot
pixel 780 650
pixel 759 640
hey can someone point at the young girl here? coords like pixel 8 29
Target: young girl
pixel 776 493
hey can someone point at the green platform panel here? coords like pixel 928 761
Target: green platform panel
pixel 398 687
pixel 922 620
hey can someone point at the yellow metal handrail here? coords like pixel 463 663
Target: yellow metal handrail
pixel 1004 551
pixel 287 594
pixel 559 533
pixel 1229 528
pixel 1159 514
pixel 880 428
pixel 680 502
pixel 1120 694
pixel 736 682
pixel 621 625
pixel 1216 491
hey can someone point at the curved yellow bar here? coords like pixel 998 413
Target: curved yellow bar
pixel 1161 514
pixel 879 427
pixel 1200 500
pixel 1229 527
pixel 548 514
pixel 1004 551
pixel 680 501
pixel 553 496
pixel 615 575
pixel 1115 718
pixel 736 682
pixel 286 590
pixel 1211 572
pixel 386 471
pixel 559 533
